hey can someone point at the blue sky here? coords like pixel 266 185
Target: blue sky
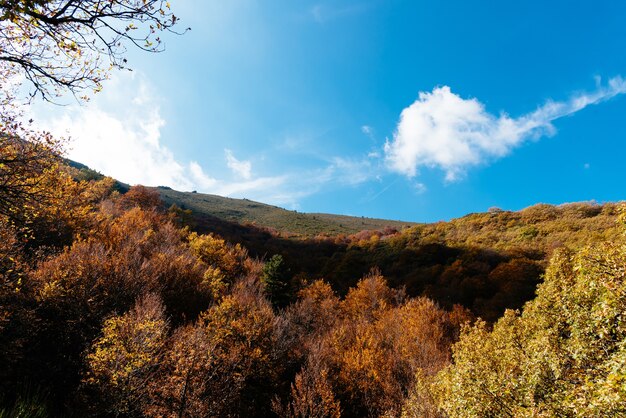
pixel 413 110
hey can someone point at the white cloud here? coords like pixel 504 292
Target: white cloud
pixel 240 168
pixel 443 130
pixel 121 137
pixel 119 134
pixel 200 178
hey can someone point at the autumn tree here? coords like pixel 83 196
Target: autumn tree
pixel 189 376
pixel 562 356
pixel 223 365
pixel 40 199
pixel 311 394
pixel 309 319
pixel 126 357
pixel 37 193
pixel 245 327
pixel 377 361
pixel 70 45
pixel 142 197
pixel 225 262
pixel 26 168
pixel 363 353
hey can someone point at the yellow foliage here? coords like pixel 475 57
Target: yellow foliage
pixel 225 262
pixel 562 356
pixel 127 354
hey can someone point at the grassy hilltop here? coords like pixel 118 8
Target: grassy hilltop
pixel 244 211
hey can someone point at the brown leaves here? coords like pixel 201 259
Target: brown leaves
pixel 311 394
pixel 128 255
pixel 224 364
pixel 365 351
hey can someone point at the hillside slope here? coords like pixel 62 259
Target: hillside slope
pixel 486 262
pixel 244 211
pixel 213 210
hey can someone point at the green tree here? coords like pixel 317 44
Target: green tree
pixel 275 276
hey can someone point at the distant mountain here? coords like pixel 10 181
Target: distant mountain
pixel 289 222
pixel 208 208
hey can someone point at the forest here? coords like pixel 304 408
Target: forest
pixel 111 306
pixel 116 301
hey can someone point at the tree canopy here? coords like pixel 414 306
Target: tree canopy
pixel 71 45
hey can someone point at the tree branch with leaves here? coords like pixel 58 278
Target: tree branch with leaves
pixel 71 45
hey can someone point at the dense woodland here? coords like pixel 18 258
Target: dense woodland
pixel 487 262
pixel 115 303
pixel 111 306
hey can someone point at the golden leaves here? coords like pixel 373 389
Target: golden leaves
pixel 125 357
pixel 563 355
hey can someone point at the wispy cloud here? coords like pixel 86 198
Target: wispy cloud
pixel 443 130
pixel 122 139
pixel 242 169
pixel 261 187
pixel 351 171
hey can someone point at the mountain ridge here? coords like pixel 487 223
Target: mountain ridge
pixel 289 222
pixel 248 212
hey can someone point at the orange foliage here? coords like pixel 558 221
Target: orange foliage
pixel 135 253
pixel 222 364
pixel 311 395
pixel 140 196
pixel 368 348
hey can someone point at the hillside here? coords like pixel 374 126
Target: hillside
pixel 212 209
pixel 244 211
pixel 487 262
pixel 105 288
